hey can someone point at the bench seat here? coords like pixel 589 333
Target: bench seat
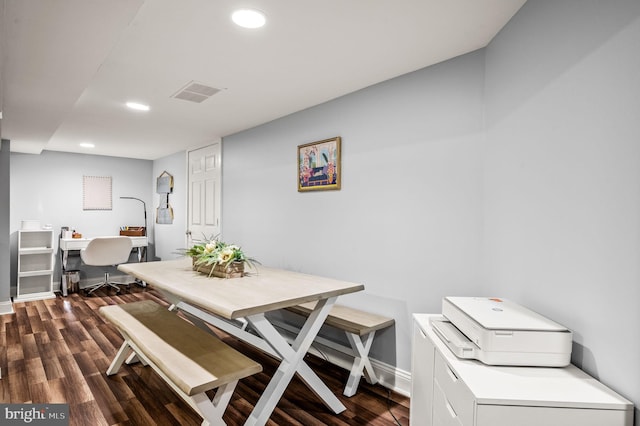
pixel 360 328
pixel 189 359
pixel 348 319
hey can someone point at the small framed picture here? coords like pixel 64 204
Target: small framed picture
pixel 319 165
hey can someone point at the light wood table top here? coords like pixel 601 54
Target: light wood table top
pixel 266 290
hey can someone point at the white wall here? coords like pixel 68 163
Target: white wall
pixel 406 222
pixel 48 187
pixel 562 176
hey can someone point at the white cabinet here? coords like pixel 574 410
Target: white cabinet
pixel 35 265
pixel 448 391
pixel 422 362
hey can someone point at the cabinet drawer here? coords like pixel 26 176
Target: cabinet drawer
pixel 74 244
pixel 455 391
pixel 505 415
pixel 443 412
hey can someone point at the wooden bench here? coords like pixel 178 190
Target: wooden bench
pixel 360 328
pixel 189 359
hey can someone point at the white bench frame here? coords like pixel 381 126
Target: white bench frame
pixel 360 337
pixel 211 410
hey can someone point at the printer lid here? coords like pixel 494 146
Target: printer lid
pixel 501 314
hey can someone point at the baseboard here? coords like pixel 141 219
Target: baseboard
pixel 6 307
pixel 389 376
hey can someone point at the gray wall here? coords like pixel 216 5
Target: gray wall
pixel 53 181
pixel 562 176
pixel 48 188
pixel 5 258
pixel 540 203
pixel 406 222
pixel 171 237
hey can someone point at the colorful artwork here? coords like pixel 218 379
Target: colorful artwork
pixel 319 165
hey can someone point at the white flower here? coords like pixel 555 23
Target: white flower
pixel 227 254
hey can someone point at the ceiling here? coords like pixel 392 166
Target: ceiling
pixel 69 66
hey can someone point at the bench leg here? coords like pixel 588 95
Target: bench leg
pixel 122 354
pixel 361 362
pixel 213 410
pixel 133 358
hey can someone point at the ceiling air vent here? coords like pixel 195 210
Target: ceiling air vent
pixel 195 92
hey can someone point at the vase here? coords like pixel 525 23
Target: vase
pixel 233 270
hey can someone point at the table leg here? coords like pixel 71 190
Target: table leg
pixel 141 251
pixel 65 255
pixel 272 342
pixel 292 362
pixel 63 268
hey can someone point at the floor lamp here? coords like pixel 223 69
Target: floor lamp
pixel 144 206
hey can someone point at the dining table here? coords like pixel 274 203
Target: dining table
pixel 238 307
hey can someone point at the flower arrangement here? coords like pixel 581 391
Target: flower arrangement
pixel 219 258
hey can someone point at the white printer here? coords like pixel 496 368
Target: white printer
pixel 499 332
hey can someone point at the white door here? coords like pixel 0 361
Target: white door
pixel 204 193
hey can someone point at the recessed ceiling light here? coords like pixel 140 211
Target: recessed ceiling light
pixel 138 106
pixel 249 18
pixel 87 145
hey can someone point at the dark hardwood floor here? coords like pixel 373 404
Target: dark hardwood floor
pixel 57 351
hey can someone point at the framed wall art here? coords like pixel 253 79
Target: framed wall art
pixel 164 187
pixel 319 165
pixel 96 193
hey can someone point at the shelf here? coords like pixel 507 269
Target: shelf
pixel 36 239
pixel 35 273
pixel 35 250
pixel 34 296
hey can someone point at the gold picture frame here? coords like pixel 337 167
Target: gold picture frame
pixel 319 166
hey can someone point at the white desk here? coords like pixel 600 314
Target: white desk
pixel 214 300
pixel 71 244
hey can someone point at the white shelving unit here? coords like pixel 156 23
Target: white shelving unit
pixel 36 260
